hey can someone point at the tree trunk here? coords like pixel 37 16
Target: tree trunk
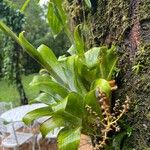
pixel 17 71
pixel 23 98
pixel 126 24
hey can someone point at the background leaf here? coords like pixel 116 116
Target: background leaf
pixel 25 5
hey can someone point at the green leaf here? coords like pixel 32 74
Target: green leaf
pixel 48 55
pixel 88 67
pixel 108 62
pixel 35 114
pixel 61 105
pixel 50 125
pixel 9 32
pixel 72 50
pixel 59 11
pixel 88 3
pixel 47 84
pixel 87 75
pixel 25 5
pixel 69 139
pixel 91 100
pixel 53 20
pixel 118 140
pixel 44 98
pixel 59 119
pixel 103 85
pixel 92 57
pixel 73 100
pixel 75 105
pixel 79 43
pixel 42 55
pixel 73 79
pixel 69 119
pixel 31 50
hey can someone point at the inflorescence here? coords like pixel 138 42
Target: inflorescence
pixel 110 116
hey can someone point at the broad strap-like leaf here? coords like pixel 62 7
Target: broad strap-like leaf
pixel 88 66
pixel 75 105
pixel 108 62
pixel 31 50
pixel 61 16
pixel 86 74
pixel 48 55
pixel 72 104
pixel 69 139
pixel 53 20
pixel 47 84
pixel 61 105
pixel 79 43
pixel 50 125
pixel 43 50
pixel 59 11
pixel 92 57
pixel 44 98
pixel 60 119
pixel 35 114
pixel 73 79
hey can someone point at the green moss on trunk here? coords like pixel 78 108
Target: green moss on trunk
pixel 127 24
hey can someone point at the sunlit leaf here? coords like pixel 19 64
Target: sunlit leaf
pixel 75 101
pixel 39 54
pixel 103 85
pixel 35 114
pixel 88 3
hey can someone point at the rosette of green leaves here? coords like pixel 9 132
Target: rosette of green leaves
pixel 68 86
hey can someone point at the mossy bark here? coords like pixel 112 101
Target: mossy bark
pixel 126 24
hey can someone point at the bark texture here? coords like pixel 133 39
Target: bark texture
pixel 126 23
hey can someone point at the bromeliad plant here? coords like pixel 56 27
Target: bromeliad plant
pixel 77 90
